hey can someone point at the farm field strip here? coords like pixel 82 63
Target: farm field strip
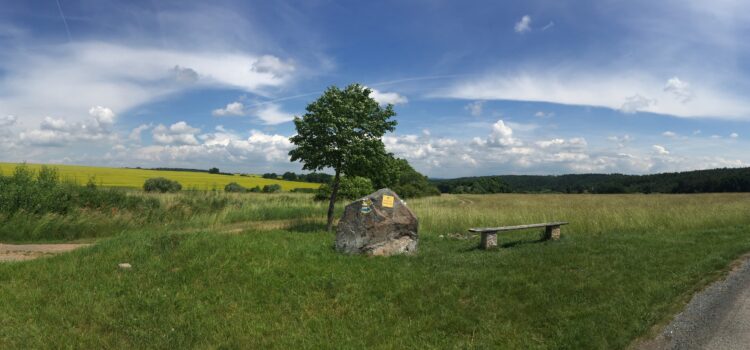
pixel 134 178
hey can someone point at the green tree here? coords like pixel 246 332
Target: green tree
pixel 289 176
pixel 351 187
pixel 213 171
pixel 410 183
pixel 342 130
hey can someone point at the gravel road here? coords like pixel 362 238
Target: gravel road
pixel 716 318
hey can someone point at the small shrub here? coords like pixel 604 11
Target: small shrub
pixel 255 189
pixel 162 185
pixel 351 187
pixel 303 190
pixel 273 188
pixel 235 188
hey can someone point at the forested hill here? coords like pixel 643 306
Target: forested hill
pixel 699 181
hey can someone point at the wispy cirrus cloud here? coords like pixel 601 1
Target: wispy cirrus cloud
pixel 272 114
pixel 629 92
pixel 71 78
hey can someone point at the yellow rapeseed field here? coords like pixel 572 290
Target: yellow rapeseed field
pixel 134 178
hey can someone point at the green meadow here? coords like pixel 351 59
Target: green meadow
pixel 255 270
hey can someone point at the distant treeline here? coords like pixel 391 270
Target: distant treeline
pixel 290 176
pixel 699 181
pixel 210 171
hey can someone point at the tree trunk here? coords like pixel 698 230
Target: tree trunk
pixel 332 203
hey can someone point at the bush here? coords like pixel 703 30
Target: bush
pixel 303 190
pixel 270 176
pixel 213 171
pixel 351 187
pixel 235 187
pixel 273 188
pixel 162 185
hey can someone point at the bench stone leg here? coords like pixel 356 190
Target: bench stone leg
pixel 489 240
pixel 552 232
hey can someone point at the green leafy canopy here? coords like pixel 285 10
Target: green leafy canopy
pixel 342 130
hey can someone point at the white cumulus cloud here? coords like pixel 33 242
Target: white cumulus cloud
pixel 385 98
pixel 103 115
pixel 234 108
pixel 179 133
pixel 135 134
pixel 59 132
pixel 660 150
pixel 523 25
pixel 7 120
pixel 501 136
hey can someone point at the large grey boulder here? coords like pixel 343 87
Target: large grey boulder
pixel 377 224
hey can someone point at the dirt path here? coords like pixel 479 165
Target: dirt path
pixel 716 318
pixel 20 252
pixel 464 201
pixel 265 225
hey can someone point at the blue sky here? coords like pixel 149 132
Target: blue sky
pixel 533 87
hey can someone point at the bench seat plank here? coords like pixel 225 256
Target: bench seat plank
pixel 512 228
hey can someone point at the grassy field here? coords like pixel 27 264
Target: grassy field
pixel 134 178
pixel 258 271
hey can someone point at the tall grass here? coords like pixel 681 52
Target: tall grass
pixel 40 206
pixel 43 192
pixel 587 214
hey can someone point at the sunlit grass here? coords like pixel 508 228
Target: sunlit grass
pixel 587 214
pixel 259 271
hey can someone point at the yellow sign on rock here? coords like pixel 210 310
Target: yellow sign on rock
pixel 387 201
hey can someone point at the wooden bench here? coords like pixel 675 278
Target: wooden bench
pixel 489 234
